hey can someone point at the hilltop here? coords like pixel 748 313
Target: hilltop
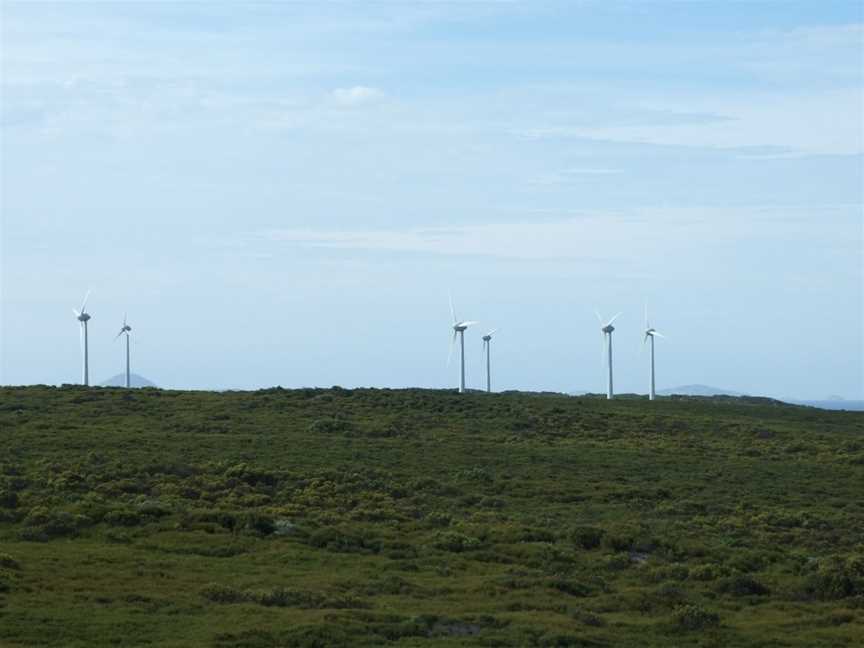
pixel 120 381
pixel 333 517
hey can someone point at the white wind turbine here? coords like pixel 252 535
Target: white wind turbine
pixel 606 340
pixel 83 317
pixel 650 333
pixel 459 331
pixel 487 344
pixel 126 329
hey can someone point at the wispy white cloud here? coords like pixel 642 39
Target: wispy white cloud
pixel 631 237
pixel 356 95
pixel 819 123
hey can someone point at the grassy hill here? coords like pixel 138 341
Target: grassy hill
pixel 424 518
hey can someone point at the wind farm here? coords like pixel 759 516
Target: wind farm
pixel 458 328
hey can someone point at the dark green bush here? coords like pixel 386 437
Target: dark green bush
pixel 742 585
pixel 331 425
pixel 42 524
pixel 455 542
pixel 8 561
pixel 834 583
pixel 334 539
pixel 587 537
pixel 123 517
pixel 707 572
pixel 257 523
pixel 571 587
pixel 8 499
pixel 223 594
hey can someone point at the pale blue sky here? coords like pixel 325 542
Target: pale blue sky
pixel 283 193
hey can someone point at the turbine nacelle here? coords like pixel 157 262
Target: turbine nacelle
pixel 607 328
pixel 82 313
pixel 652 333
pixel 124 329
pixel 461 326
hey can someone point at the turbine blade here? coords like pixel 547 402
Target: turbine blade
pixel 599 316
pixel 84 303
pixel 468 323
pixel 616 316
pixel 77 312
pixel 452 344
pixel 493 331
pixel 452 310
pixel 647 325
pixel 658 334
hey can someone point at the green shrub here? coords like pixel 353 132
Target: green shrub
pixel 42 524
pixel 587 537
pixel 571 587
pixel 708 572
pixel 455 542
pixel 618 540
pixel 834 583
pixel 334 539
pixel 331 425
pixel 123 517
pixel 438 519
pixel 257 523
pixel 742 585
pixel 8 561
pixel 695 617
pixel 8 499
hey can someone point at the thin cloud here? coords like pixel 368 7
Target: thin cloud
pixel 356 95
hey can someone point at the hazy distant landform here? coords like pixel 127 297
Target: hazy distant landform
pixel 831 403
pixel 120 381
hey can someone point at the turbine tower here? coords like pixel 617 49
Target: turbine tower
pixel 125 329
pixel 606 340
pixel 83 317
pixel 650 333
pixel 459 331
pixel 487 344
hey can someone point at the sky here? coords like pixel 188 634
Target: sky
pixel 285 193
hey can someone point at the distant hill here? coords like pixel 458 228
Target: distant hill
pixel 832 404
pixel 120 381
pixel 697 390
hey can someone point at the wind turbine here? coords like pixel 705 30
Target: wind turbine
pixel 459 331
pixel 650 333
pixel 125 329
pixel 487 345
pixel 606 340
pixel 83 317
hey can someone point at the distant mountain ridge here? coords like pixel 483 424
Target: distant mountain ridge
pixel 120 381
pixel 698 390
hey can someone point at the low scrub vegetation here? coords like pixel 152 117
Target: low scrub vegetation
pixel 334 517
